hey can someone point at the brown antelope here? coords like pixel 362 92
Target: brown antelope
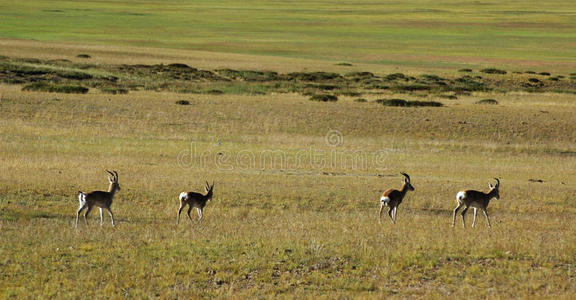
pixel 392 198
pixel 193 199
pixel 476 199
pixel 100 199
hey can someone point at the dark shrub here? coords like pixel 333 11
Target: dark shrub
pixel 451 97
pixel 465 70
pixel 344 64
pixel 392 102
pixel 544 73
pixel 325 87
pixel 313 76
pixel 361 100
pixel 404 103
pixel 395 76
pixel 360 76
pixel 429 77
pixel 487 101
pixel 493 71
pixel 183 102
pixel 74 75
pixel 425 103
pixel 83 56
pixel 412 88
pixel 533 80
pixel 214 92
pixel 324 98
pixel 351 94
pixel 114 90
pixel 181 67
pixel 530 72
pixel 248 75
pixel 44 87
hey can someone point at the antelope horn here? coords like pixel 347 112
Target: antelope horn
pixel 116 173
pixel 406 175
pixel 498 182
pixel 110 173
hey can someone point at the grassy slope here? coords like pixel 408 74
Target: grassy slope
pixel 303 231
pixel 422 33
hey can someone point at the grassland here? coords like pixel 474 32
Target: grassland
pixel 174 93
pixel 417 33
pixel 297 185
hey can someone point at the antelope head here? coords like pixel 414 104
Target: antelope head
pixel 208 188
pixel 407 181
pixel 114 185
pixel 495 189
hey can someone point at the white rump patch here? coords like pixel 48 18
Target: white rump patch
pixel 460 196
pixel 183 196
pixel 384 200
pixel 82 198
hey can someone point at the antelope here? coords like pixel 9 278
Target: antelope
pixel 476 199
pixel 392 198
pixel 100 199
pixel 193 199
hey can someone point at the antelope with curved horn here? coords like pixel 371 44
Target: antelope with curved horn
pixel 193 199
pixel 476 199
pixel 101 199
pixel 392 198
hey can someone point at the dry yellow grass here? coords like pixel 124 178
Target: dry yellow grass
pixel 274 229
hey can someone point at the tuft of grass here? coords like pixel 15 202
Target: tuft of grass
pixel 350 93
pixel 54 88
pixel 395 76
pixel 324 98
pixel 493 71
pixel 313 76
pixel 405 103
pixel 450 97
pixel 488 101
pixel 213 92
pixel 183 102
pixel 114 90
